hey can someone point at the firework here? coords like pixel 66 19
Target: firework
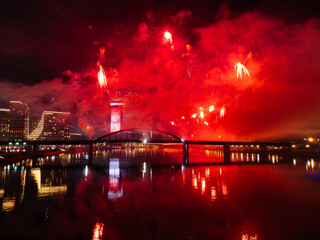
pixel 241 69
pixel 194 115
pixel 211 108
pixel 188 47
pixel 102 77
pixel 201 114
pixel 167 35
pixel 222 112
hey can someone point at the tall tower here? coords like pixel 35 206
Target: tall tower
pixel 18 121
pixel 4 124
pixel 116 109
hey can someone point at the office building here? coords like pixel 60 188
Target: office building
pixel 18 121
pixel 33 124
pixel 52 126
pixel 4 124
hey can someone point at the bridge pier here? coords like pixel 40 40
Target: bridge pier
pixel 226 153
pixel 35 149
pixel 185 154
pixel 90 154
pixel 264 153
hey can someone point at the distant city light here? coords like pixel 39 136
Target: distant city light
pixel 144 167
pixel 86 171
pixel 203 185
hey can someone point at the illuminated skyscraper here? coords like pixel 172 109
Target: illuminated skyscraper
pixel 18 121
pixel 4 124
pixel 33 124
pixel 52 126
pixel 116 109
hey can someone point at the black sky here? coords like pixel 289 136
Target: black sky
pixel 41 38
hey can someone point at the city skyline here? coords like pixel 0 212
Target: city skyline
pixel 15 124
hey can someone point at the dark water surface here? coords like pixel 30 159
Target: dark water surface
pixel 147 194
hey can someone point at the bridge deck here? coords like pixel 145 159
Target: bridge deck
pixel 191 142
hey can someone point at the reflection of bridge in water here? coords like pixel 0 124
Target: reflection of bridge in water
pixel 154 136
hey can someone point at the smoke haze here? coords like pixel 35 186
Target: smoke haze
pixel 163 86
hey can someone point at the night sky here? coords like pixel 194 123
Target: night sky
pixel 53 47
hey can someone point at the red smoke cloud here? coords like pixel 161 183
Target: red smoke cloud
pixel 160 84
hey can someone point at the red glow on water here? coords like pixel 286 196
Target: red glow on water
pixel 98 231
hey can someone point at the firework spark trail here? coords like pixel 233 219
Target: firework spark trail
pixel 241 68
pixel 222 112
pixel 211 108
pixel 167 35
pixel 102 79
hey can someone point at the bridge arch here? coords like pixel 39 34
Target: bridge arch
pixel 139 135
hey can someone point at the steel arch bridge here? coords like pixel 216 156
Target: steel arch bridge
pixel 140 135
